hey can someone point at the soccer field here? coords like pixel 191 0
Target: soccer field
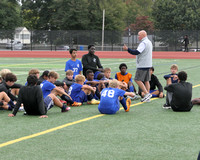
pixel 146 132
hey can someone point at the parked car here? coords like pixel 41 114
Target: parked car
pixel 62 47
pixel 16 45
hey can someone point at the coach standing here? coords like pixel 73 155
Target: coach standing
pixel 143 63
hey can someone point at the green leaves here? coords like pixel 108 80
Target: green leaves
pixel 9 15
pixel 176 14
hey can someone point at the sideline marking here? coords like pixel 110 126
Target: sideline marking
pixel 65 125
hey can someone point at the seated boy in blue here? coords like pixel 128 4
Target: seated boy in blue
pixel 173 77
pixel 80 92
pixel 74 64
pixel 110 98
pixel 124 76
pixel 48 87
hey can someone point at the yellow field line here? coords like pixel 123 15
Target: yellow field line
pixel 54 129
pixel 49 130
pixel 63 126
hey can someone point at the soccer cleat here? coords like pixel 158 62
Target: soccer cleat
pixel 128 104
pixel 66 109
pixel 76 104
pixel 21 109
pixel 93 101
pixel 166 106
pixel 146 97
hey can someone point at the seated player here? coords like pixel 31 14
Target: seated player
pixel 43 77
pixel 107 73
pixel 154 82
pixel 5 102
pixel 173 76
pixel 49 87
pixel 69 78
pixel 126 77
pixel 15 87
pixel 32 98
pixel 110 98
pixel 8 83
pixel 34 72
pixel 3 73
pixel 80 92
pixel 179 94
pixel 94 83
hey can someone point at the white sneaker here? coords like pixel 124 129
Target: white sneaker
pixel 146 97
pixel 135 97
pixel 21 109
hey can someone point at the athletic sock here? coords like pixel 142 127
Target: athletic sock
pixel 123 102
pixel 131 89
pixel 90 97
pixel 1 103
pixel 63 107
pixel 11 104
pixel 66 98
pixel 10 108
pixel 97 93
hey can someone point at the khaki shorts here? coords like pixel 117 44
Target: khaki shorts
pixel 142 75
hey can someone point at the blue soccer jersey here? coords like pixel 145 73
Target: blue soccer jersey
pixel 47 87
pixel 75 66
pixel 109 103
pixel 76 93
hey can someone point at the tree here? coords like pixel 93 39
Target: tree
pixel 174 16
pixel 9 18
pixel 37 14
pixel 142 23
pixel 70 14
pixel 137 8
pixel 9 15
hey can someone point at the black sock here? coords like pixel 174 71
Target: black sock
pixel 66 98
pixel 10 108
pixel 11 104
pixel 89 97
pixel 98 93
pixel 63 107
pixel 1 103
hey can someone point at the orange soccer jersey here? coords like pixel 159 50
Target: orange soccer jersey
pixel 123 78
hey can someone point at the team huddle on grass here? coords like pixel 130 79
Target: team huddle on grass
pixel 95 86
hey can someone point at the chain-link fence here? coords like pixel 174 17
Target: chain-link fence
pixel 80 39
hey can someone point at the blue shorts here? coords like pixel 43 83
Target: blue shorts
pixel 109 110
pixel 81 97
pixel 48 102
pixel 153 95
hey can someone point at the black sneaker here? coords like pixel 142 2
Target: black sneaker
pixel 166 106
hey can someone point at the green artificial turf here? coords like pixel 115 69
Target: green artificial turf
pixel 146 132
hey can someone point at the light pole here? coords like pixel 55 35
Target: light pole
pixel 103 29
